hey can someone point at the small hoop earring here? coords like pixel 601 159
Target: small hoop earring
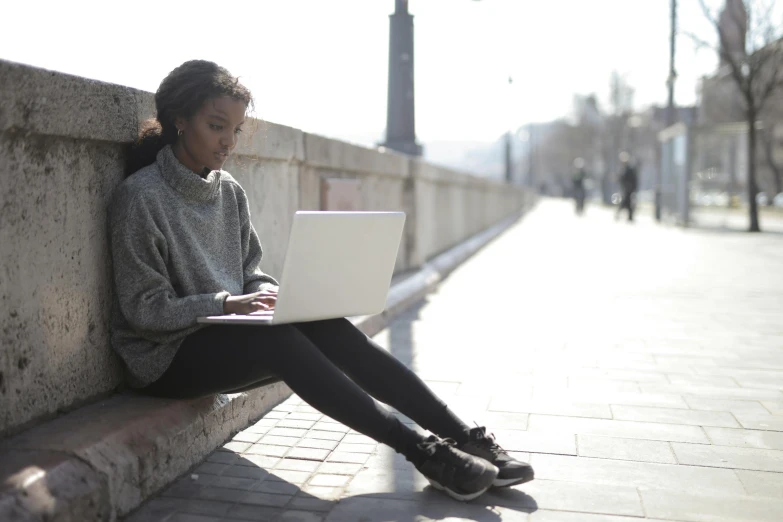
pixel 179 132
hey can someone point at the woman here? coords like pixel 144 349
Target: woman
pixel 183 246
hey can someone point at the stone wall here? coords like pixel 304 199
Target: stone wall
pixel 63 141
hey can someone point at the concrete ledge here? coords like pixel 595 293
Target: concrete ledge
pixel 101 461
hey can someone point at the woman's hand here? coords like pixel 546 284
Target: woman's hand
pixel 249 303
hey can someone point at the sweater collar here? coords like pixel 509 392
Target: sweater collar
pixel 184 180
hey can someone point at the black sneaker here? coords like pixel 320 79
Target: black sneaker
pixel 461 476
pixel 512 471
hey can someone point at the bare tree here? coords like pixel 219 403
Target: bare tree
pixel 750 48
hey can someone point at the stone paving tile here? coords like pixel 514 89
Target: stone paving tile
pixel 213 508
pixel 307 453
pixel 584 383
pixel 397 483
pixel 675 416
pixel 288 432
pixel 387 509
pixel 278 413
pixel 277 440
pixel 248 436
pixel 732 406
pixel 339 468
pixel 325 435
pixel 527 441
pixel 350 458
pixel 317 443
pixel 156 509
pixel 329 426
pixel 193 491
pixel 567 496
pixel 625 449
pixel 305 502
pixel 617 428
pixel 636 474
pixel 295 423
pixel 267 450
pixel 248 512
pixel 323 492
pixel 211 468
pixel 187 517
pixel 358 439
pixel 323 479
pixel 305 416
pixel 762 483
pixel 494 420
pixel 709 380
pixel 775 408
pixel 772 440
pixel 714 392
pixel 299 516
pixel 297 465
pixel 223 457
pixel 245 472
pixel 565 516
pixel 260 461
pixel 729 457
pixel 688 507
pixel 294 477
pixel 569 409
pixel 276 487
pixel 624 398
pixel 760 421
pixel 236 446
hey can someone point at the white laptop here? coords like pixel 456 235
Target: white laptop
pixel 337 264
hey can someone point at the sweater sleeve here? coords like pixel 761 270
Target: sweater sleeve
pixel 146 296
pixel 254 278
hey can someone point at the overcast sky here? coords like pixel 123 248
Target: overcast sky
pixel 322 65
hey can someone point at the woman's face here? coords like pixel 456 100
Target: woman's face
pixel 210 135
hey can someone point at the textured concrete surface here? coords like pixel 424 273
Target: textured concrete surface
pixel 62 146
pixel 639 368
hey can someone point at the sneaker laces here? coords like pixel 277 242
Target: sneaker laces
pixel 431 445
pixel 479 434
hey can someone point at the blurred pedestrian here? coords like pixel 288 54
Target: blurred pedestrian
pixel 579 188
pixel 628 185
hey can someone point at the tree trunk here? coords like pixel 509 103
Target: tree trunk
pixel 752 190
pixel 769 153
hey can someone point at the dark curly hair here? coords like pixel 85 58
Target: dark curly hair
pixel 181 94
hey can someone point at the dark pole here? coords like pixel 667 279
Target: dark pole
pixel 670 106
pixel 400 109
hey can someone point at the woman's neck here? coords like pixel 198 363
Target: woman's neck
pixel 187 160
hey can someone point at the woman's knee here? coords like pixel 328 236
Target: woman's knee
pixel 331 331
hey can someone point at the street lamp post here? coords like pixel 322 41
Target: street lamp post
pixel 400 109
pixel 670 105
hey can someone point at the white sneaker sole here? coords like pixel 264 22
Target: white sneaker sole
pixel 504 483
pixel 455 495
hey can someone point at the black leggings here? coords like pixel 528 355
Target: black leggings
pixel 330 364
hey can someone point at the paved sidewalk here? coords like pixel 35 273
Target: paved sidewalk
pixel 638 367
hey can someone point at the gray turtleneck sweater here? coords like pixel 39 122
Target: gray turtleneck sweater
pixel 180 244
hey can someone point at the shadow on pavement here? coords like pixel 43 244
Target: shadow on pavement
pixel 432 504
